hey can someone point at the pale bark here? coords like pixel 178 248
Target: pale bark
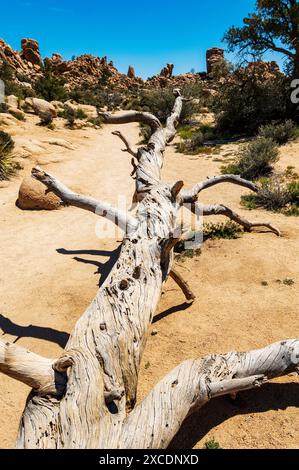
pixel 219 209
pixel 33 370
pixel 192 194
pixel 69 198
pixel 102 357
pixel 193 383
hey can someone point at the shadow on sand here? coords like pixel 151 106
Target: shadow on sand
pixel 272 396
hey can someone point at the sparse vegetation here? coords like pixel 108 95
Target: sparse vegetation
pixel 50 88
pixel 275 194
pixel 254 159
pixel 281 133
pixel 212 444
pixel 249 98
pixel 227 230
pixel 46 120
pixel 160 103
pixel 7 165
pixel 193 139
pixel 11 87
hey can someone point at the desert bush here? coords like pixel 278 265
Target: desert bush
pixel 212 444
pixel 227 230
pixel 192 144
pixel 49 87
pixel 46 119
pixel 251 97
pixel 254 159
pixel 275 194
pixel 193 139
pixel 96 121
pixel 80 114
pixel 160 103
pixel 70 116
pixel 97 96
pixel 7 75
pixel 7 165
pixel 281 133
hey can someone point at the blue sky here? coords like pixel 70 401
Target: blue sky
pixel 146 34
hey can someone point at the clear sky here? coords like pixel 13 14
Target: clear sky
pixel 145 34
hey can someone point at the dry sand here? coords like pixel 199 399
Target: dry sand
pixel 50 265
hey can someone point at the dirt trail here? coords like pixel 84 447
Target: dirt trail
pixel 49 274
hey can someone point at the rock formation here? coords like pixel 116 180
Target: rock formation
pixel 131 72
pixel 215 55
pixel 30 52
pixel 167 71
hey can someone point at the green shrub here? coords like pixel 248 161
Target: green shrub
pixel 281 133
pixel 251 97
pixel 7 75
pixel 194 138
pixel 275 195
pixel 160 103
pixel 212 444
pixel 46 119
pixel 7 166
pixel 49 87
pixel 80 114
pixel 70 116
pixel 193 144
pixel 254 159
pixel 227 230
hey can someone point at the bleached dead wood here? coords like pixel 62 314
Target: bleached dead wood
pixel 102 357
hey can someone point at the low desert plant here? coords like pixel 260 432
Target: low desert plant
pixel 192 144
pixel 46 119
pixel 275 195
pixel 193 139
pixel 254 159
pixel 7 165
pixel 212 444
pixel 49 87
pixel 227 230
pixel 281 133
pixel 80 114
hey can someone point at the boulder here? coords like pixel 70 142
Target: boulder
pixel 89 110
pixel 58 105
pixel 12 101
pixel 34 196
pixel 17 113
pixel 39 106
pixel 30 52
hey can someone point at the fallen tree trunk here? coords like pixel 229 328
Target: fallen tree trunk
pixel 94 405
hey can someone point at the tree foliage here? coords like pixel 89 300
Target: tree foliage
pixel 274 26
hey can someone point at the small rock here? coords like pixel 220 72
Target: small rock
pixel 33 195
pixel 154 332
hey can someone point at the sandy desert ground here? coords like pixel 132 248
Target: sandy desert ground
pixel 51 263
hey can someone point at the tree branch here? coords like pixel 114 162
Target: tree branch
pixel 191 195
pixel 129 148
pixel 132 116
pixel 180 281
pixel 194 382
pixel 219 209
pixel 120 218
pixel 33 370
